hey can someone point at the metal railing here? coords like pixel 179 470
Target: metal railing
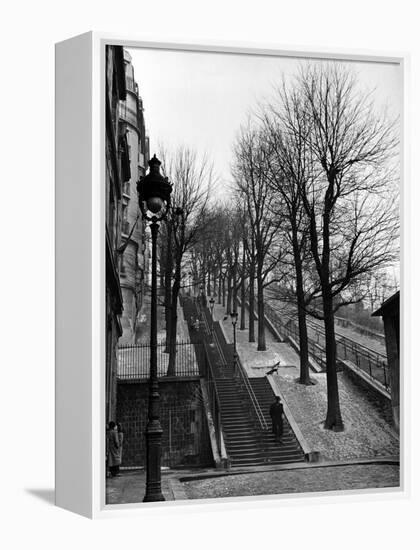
pixel 134 361
pixel 244 381
pixel 213 396
pixel 372 363
pixel 242 375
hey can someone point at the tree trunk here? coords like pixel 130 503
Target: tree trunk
pixel 174 319
pixel 300 297
pixel 224 291
pixel 168 283
pixel 209 281
pixel 251 330
pixel 333 421
pixel 260 309
pixel 214 282
pixel 219 289
pixel 303 343
pixel 229 296
pixel 235 288
pixel 243 310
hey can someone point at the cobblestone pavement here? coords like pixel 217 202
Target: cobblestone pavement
pixel 367 432
pixel 296 481
pixel 130 487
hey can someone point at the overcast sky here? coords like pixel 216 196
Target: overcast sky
pixel 201 99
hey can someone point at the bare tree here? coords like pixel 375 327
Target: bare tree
pixel 290 168
pixel 192 178
pixel 251 153
pixel 352 218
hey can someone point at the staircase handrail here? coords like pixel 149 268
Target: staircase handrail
pixel 258 412
pixel 254 400
pixel 213 397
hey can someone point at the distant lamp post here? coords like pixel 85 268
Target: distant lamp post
pixel 154 193
pixel 202 296
pixel 234 317
pixel 212 320
pixel 189 282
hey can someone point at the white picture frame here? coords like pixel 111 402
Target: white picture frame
pixel 80 272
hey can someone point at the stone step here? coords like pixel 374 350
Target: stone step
pixel 232 430
pixel 244 453
pixel 241 449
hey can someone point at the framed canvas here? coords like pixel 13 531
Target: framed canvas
pixel 228 274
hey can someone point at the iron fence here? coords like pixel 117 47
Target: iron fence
pixel 134 361
pixel 372 363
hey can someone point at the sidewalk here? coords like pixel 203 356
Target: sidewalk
pixel 257 363
pixel 262 480
pixel 130 487
pixel 304 480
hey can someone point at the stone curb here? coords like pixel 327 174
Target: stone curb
pixel 177 489
pixel 391 460
pixel 310 454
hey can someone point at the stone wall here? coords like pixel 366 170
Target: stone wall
pixel 185 440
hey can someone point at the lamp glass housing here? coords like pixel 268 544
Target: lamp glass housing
pixel 154 204
pixel 234 317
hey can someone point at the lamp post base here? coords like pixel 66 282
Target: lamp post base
pixel 154 497
pixel 153 473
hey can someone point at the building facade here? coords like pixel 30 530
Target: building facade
pixel 390 313
pixel 117 172
pixel 133 250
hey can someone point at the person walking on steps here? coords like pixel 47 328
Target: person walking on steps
pixel 113 449
pixel 120 432
pixel 276 413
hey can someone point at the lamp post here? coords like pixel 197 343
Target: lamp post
pixel 154 192
pixel 212 320
pixel 202 295
pixel 234 317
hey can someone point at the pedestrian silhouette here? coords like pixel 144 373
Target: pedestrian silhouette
pixel 120 432
pixel 113 447
pixel 276 413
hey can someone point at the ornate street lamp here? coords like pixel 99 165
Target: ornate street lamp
pixel 154 192
pixel 234 317
pixel 212 320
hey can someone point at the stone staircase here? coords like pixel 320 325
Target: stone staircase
pixel 242 440
pixel 247 442
pixel 290 450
